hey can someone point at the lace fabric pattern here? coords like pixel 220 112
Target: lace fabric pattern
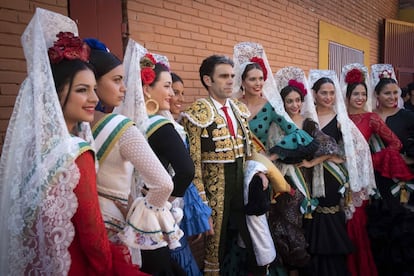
pixel 50 225
pixel 133 106
pixel 37 168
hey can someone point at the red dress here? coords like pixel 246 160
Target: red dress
pixel 389 163
pixel 91 252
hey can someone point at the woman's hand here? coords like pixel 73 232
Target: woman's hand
pixel 265 180
pixel 196 238
pixel 336 159
pixel 210 232
pixel 273 157
pixel 306 164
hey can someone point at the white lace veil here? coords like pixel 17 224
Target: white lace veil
pixel 358 156
pixel 243 53
pixel 133 106
pixel 37 169
pixel 364 70
pixel 376 71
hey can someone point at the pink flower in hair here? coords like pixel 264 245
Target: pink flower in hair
pixel 299 86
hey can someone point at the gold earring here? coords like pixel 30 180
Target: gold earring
pixel 152 106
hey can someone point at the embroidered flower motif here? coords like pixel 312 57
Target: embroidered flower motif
pixel 68 46
pixel 385 74
pixel 354 76
pixel 260 61
pixel 299 86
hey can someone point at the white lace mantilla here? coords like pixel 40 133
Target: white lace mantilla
pixel 245 51
pixel 133 106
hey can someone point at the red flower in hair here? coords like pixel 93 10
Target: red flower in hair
pixel 147 75
pixel 299 86
pixel 260 61
pixel 148 61
pixel 147 64
pixel 68 46
pixel 150 56
pixel 354 76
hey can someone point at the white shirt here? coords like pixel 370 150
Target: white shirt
pixel 229 110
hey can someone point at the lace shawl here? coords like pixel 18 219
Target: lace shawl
pixel 37 168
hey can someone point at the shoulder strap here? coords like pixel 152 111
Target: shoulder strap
pixel 83 145
pixel 155 122
pixel 339 172
pixel 107 132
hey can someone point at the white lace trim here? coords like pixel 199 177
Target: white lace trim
pixel 133 106
pixel 42 248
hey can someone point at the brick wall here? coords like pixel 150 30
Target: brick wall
pixel 14 16
pixel 189 30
